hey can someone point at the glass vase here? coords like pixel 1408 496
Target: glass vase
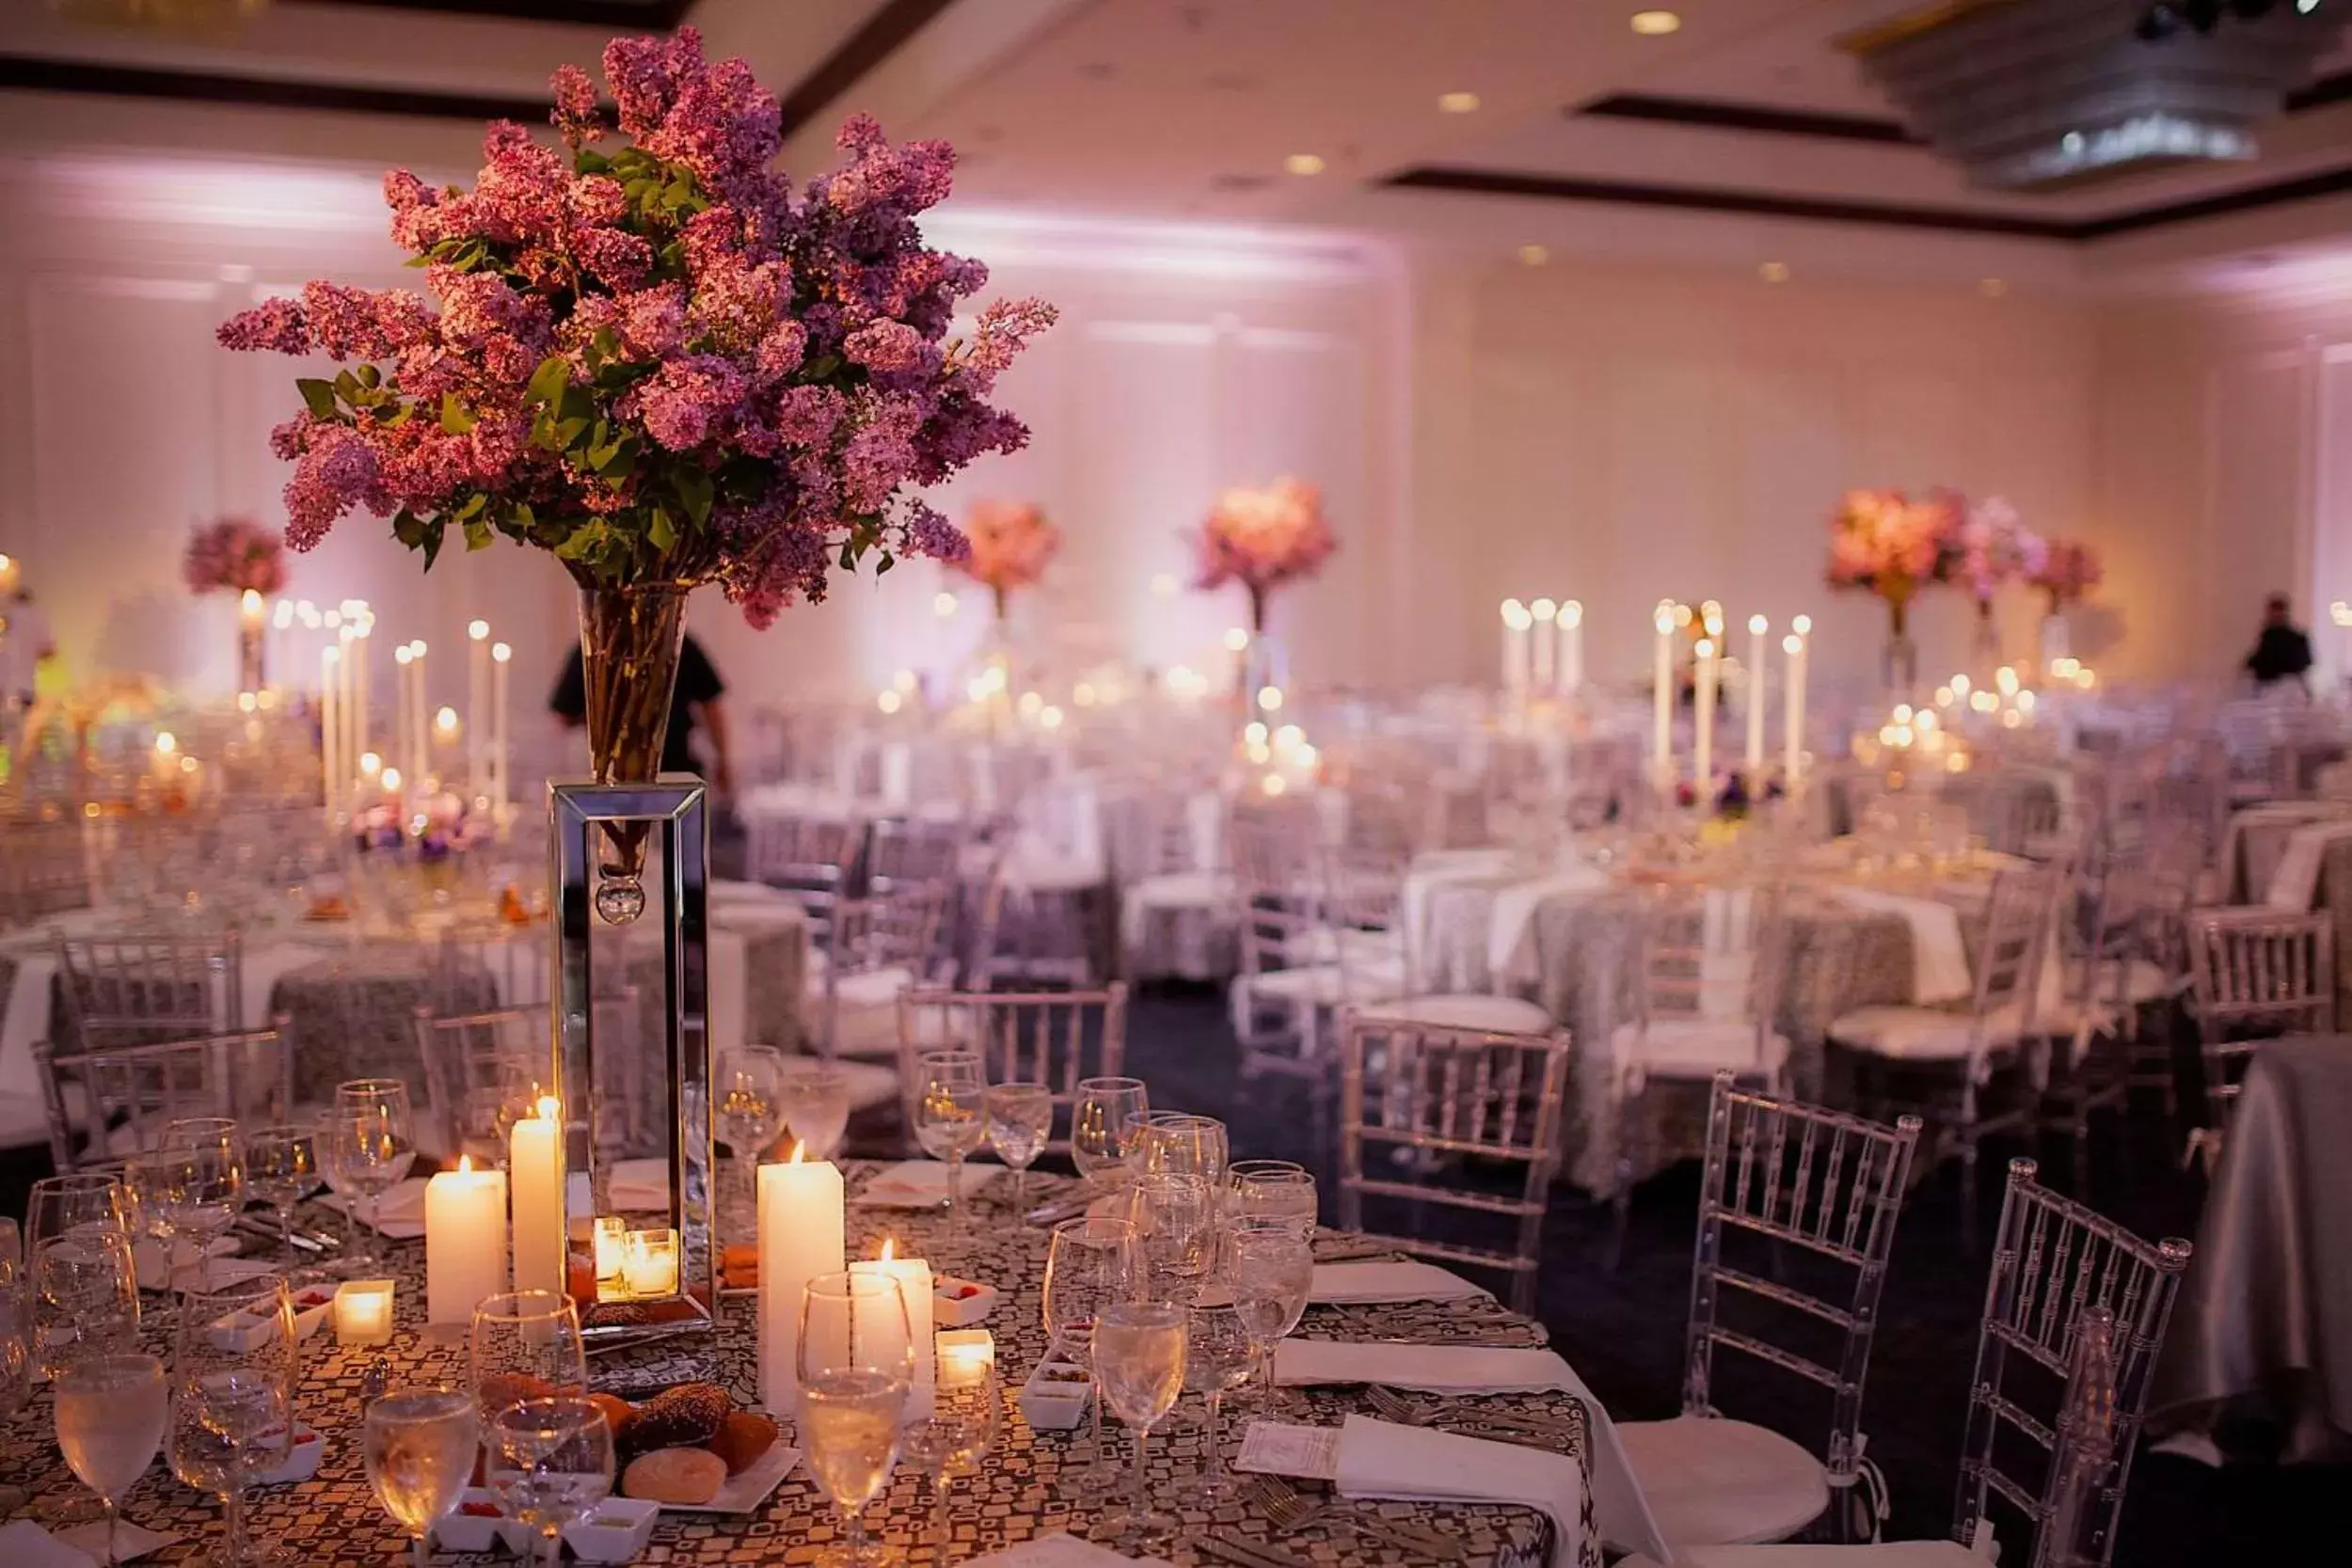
pixel 252 673
pixel 1898 661
pixel 2051 642
pixel 628 648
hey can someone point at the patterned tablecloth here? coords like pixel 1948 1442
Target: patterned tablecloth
pixel 1021 1492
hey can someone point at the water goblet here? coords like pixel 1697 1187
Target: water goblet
pixel 1104 1122
pixel 203 1170
pixel 1270 1267
pixel 1217 1359
pixel 371 1142
pixel 420 1445
pixel 232 1401
pixel 524 1345
pixel 748 1092
pixel 550 1462
pixel 111 1411
pixel 1090 1262
pixel 1185 1145
pixel 1139 1366
pixel 1175 1220
pixel 1271 1188
pixel 950 1089
pixel 61 1203
pixel 282 1164
pixel 951 1441
pixel 856 1365
pixel 1020 1124
pixel 814 1099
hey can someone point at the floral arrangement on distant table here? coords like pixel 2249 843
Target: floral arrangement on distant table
pixel 234 556
pixel 1010 545
pixel 2067 573
pixel 1994 547
pixel 1882 541
pixel 1262 539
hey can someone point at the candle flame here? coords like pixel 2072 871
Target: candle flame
pixel 800 1153
pixel 888 1248
pixel 549 1107
pixel 465 1163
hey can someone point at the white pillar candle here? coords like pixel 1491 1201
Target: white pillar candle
pixel 1661 755
pixel 1570 665
pixel 464 1241
pixel 350 737
pixel 1758 656
pixel 1516 654
pixel 1703 721
pixel 536 1160
pixel 1544 672
pixel 915 1278
pixel 281 620
pixel 802 1236
pixel 500 757
pixel 477 710
pixel 1792 706
pixel 420 717
pixel 402 658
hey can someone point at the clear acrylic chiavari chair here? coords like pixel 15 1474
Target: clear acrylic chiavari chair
pixel 810 857
pixel 2253 973
pixel 877 949
pixel 480 1070
pixel 105 1103
pixel 517 962
pixel 1467 1123
pixel 1050 1038
pixel 141 988
pixel 45 869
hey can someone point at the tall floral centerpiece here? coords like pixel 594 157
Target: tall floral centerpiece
pixel 1262 539
pixel 655 361
pixel 236 555
pixel 1010 544
pixel 1992 547
pixel 1885 541
pixel 2066 574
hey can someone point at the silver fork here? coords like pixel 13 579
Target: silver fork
pixel 1287 1509
pixel 1389 1405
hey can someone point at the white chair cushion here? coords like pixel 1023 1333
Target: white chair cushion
pixel 1356 945
pixel 1885 1554
pixel 1925 1034
pixel 1499 1015
pixel 1695 1048
pixel 1038 870
pixel 1322 986
pixel 1182 890
pixel 867 988
pixel 868 1084
pixel 1712 1482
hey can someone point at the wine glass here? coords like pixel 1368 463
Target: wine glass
pixel 1184 1144
pixel 1102 1124
pixel 1218 1361
pixel 1271 1266
pixel 370 1144
pixel 147 1181
pixel 1020 1124
pixel 950 1088
pixel 815 1102
pixel 85 1297
pixel 550 1462
pixel 61 1203
pixel 1139 1367
pixel 524 1345
pixel 281 1163
pixel 203 1192
pixel 1175 1220
pixel 1271 1188
pixel 1089 1263
pixel 956 1436
pixel 16 1326
pixel 420 1445
pixel 748 1093
pixel 111 1411
pixel 856 1364
pixel 233 1400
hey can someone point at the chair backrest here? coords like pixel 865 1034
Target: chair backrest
pixel 141 989
pixel 2053 1263
pixel 1713 955
pixel 898 930
pixel 2015 936
pixel 519 962
pixel 1795 1175
pixel 1050 1038
pixel 2258 971
pixel 45 869
pixel 812 857
pixel 901 852
pixel 471 1062
pixel 1466 1106
pixel 105 1103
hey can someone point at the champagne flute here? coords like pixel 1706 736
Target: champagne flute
pixel 956 1437
pixel 750 1094
pixel 1020 1124
pixel 420 1445
pixel 815 1101
pixel 281 1163
pixel 233 1400
pixel 1271 1266
pixel 856 1365
pixel 1090 1263
pixel 1175 1220
pixel 1104 1122
pixel 1217 1359
pixel 550 1462
pixel 950 1089
pixel 111 1411
pixel 524 1345
pixel 1272 1189
pixel 372 1142
pixel 1139 1366
pixel 204 1184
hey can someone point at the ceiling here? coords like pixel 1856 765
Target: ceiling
pixel 1746 134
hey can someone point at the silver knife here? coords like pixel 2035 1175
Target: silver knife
pixel 1246 1554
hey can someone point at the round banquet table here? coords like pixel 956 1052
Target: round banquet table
pixel 333 1520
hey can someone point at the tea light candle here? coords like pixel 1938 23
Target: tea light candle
pixel 965 1356
pixel 535 1158
pixel 802 1223
pixel 464 1241
pixel 611 1235
pixel 649 1264
pixel 363 1312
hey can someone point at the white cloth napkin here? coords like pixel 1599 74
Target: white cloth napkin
pixel 1380 1459
pixel 921 1184
pixel 1057 1550
pixel 639 1184
pixel 398 1210
pixel 26 1021
pixel 25 1544
pixel 1618 1505
pixel 1939 953
pixel 1510 948
pixel 1338 1284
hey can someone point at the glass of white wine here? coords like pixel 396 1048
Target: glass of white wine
pixel 857 1365
pixel 111 1413
pixel 951 1089
pixel 550 1462
pixel 420 1446
pixel 232 1382
pixel 1020 1124
pixel 1139 1366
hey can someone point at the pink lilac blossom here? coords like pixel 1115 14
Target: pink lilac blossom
pixel 1994 547
pixel 1010 544
pixel 1262 539
pixel 2069 571
pixel 653 335
pixel 234 555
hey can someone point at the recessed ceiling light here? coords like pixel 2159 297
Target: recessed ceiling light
pixel 1534 255
pixel 1773 272
pixel 1992 287
pixel 1656 24
pixel 1303 163
pixel 1458 103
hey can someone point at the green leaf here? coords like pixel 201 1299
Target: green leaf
pixel 660 533
pixel 693 492
pixel 822 368
pixel 409 528
pixel 370 377
pixel 424 261
pixel 478 533
pixel 585 539
pixel 319 396
pixel 589 161
pixel 885 564
pixel 454 420
pixel 849 558
pixel 432 543
pixel 474 503
pixel 522 516
pixel 548 381
pixel 568 434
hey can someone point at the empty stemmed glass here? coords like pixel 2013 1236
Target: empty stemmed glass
pixel 1139 1367
pixel 1175 1220
pixel 61 1203
pixel 203 1190
pixel 1217 1359
pixel 1104 1123
pixel 958 1434
pixel 282 1164
pixel 370 1144
pixel 1271 1267
pixel 524 1345
pixel 950 1089
pixel 421 1449
pixel 111 1411
pixel 749 1094
pixel 856 1365
pixel 814 1100
pixel 1271 1189
pixel 1091 1262
pixel 1183 1143
pixel 550 1462
pixel 1020 1124
pixel 233 1400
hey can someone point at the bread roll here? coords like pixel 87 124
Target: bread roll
pixel 690 1476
